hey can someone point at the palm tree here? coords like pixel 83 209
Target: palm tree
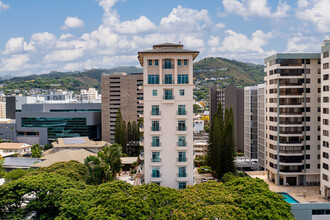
pixel 106 165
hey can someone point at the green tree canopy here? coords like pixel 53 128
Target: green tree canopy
pixel 36 151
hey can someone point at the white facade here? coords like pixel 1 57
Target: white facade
pixel 198 126
pixel 2 110
pixel 250 122
pixel 325 118
pixel 170 163
pixel 261 126
pixel 88 95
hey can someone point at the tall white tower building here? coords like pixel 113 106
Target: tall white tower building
pixel 168 114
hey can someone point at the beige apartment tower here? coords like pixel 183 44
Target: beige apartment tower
pixel 325 118
pixel 168 115
pixel 120 90
pixel 293 118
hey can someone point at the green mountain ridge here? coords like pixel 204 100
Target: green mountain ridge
pixel 230 72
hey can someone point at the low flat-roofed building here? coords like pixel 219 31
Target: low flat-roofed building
pixel 20 148
pixel 64 155
pixel 78 143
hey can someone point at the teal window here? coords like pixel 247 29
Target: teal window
pixel 182 110
pixel 181 92
pixel 168 94
pixel 183 79
pixel 155 126
pixel 155 157
pixel 182 185
pixel 150 62
pixel 155 172
pixel 182 141
pixel 168 79
pixel 179 62
pixel 153 79
pixel 156 62
pixel 182 126
pixel 154 92
pixel 182 157
pixel 182 172
pixel 62 127
pixel 185 62
pixel 168 64
pixel 155 141
pixel 155 110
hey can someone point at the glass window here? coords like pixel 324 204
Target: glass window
pixel 182 141
pixel 168 64
pixel 182 185
pixel 183 79
pixel 168 94
pixel 168 79
pixel 150 62
pixel 181 92
pixel 182 126
pixel 182 110
pixel 153 79
pixel 156 62
pixel 179 62
pixel 155 141
pixel 155 172
pixel 155 157
pixel 182 157
pixel 182 172
pixel 155 126
pixel 155 110
pixel 154 92
pixel 185 62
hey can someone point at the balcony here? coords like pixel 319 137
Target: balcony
pixel 181 114
pixel 155 114
pixel 182 160
pixel 182 175
pixel 168 99
pixel 156 160
pixel 168 66
pixel 168 81
pixel 181 143
pixel 155 130
pixel 155 144
pixel 181 128
pixel 156 176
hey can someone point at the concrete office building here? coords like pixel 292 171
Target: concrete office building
pixel 120 90
pixel 14 103
pixel 251 122
pixel 7 129
pixel 261 114
pixel 325 118
pixel 230 97
pixel 293 118
pixel 44 123
pixel 168 114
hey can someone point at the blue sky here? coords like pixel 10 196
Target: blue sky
pixel 38 36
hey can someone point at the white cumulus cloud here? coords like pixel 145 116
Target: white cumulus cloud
pixel 315 11
pixel 255 8
pixel 14 45
pixel 72 22
pixel 140 25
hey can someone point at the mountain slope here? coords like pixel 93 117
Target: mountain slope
pixel 235 72
pixel 224 71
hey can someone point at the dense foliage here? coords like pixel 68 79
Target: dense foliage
pixel 1 167
pixel 36 151
pixel 105 166
pixel 53 195
pixel 15 174
pixel 127 135
pixel 221 149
